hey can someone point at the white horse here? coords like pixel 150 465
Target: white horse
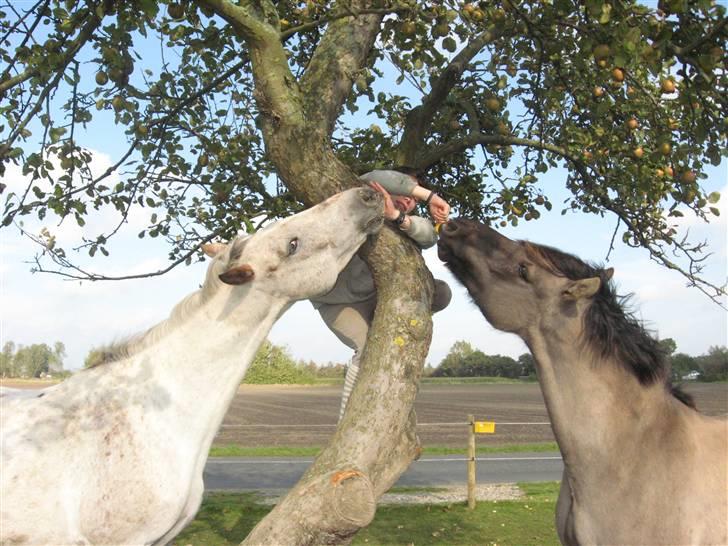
pixel 115 454
pixel 641 465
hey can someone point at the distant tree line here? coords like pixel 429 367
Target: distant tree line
pixel 711 366
pixel 37 360
pixel 273 364
pixel 465 361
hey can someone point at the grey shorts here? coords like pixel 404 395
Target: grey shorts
pixel 350 321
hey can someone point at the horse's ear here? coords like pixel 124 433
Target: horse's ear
pixel 608 273
pixel 238 275
pixel 213 249
pixel 583 288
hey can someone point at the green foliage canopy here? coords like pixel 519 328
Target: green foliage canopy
pixel 274 365
pixel 631 100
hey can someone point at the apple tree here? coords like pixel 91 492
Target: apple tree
pixel 229 111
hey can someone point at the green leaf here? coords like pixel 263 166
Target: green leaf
pixel 56 133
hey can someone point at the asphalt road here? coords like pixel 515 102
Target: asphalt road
pixel 430 471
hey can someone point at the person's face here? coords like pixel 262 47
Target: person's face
pixel 404 203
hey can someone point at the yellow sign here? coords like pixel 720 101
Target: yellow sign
pixel 484 427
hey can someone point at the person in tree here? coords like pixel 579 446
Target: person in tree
pixel 348 309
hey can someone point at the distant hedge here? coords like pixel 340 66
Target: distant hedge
pixel 273 365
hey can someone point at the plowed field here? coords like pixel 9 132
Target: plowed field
pixel 306 416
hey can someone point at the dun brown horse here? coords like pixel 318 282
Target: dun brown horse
pixel 642 465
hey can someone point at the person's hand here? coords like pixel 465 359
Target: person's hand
pixel 439 209
pixel 390 211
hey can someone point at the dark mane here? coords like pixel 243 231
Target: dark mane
pixel 611 329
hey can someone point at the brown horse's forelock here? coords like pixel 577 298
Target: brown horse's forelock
pixel 609 327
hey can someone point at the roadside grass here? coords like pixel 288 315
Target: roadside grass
pixel 321 381
pixel 524 522
pixel 468 380
pixel 233 450
pixel 226 518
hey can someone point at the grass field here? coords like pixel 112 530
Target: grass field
pixel 225 519
pixel 233 450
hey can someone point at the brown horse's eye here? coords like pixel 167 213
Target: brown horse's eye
pixel 523 272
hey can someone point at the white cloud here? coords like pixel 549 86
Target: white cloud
pixel 690 220
pixel 67 232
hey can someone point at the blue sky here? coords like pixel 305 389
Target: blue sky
pixel 44 308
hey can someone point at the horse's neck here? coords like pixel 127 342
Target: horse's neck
pixel 202 361
pixel 594 405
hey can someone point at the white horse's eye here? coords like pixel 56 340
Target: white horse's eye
pixel 523 272
pixel 293 246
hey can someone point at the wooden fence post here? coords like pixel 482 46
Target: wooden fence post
pixel 471 462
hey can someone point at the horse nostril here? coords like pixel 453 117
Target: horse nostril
pixel 450 228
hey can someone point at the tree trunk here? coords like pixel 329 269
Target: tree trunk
pixel 376 441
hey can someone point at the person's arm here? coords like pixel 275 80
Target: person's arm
pixel 393 181
pixel 405 184
pixel 420 230
pixel 439 208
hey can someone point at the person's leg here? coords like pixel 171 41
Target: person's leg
pixel 442 296
pixel 350 323
pixel 352 373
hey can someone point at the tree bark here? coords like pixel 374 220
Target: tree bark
pixel 376 440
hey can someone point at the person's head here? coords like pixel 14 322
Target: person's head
pixel 405 203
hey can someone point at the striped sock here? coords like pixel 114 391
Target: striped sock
pixel 352 371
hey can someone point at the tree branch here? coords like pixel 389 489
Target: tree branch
pixel 717 29
pixel 277 94
pixel 454 146
pixel 81 274
pixel 28 34
pixel 340 54
pixel 419 118
pixel 93 22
